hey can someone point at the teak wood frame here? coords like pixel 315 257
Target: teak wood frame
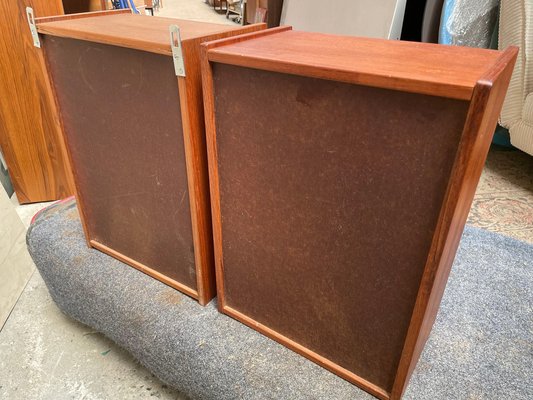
pixel 54 18
pixel 190 92
pixel 485 102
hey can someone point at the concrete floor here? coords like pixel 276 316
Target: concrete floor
pixel 46 355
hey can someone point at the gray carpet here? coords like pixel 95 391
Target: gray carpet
pixel 480 346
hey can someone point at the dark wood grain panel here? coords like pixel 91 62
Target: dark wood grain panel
pixel 43 8
pixel 275 8
pixel 30 135
pixel 324 186
pixel 121 114
pixel 80 6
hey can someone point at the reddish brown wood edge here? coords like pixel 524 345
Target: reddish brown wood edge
pixel 240 38
pixel 201 231
pixel 66 146
pixel 322 361
pixel 143 268
pixel 485 106
pixel 55 18
pixel 190 88
pixel 294 66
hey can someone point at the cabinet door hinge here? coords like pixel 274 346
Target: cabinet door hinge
pixel 177 53
pixel 33 28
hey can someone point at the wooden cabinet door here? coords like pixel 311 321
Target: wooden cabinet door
pixel 30 134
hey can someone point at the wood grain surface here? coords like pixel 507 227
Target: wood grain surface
pixel 133 31
pixel 80 6
pixel 89 14
pixel 43 8
pixel 447 71
pixel 30 135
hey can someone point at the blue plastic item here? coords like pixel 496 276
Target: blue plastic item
pixel 120 4
pixel 444 33
pixel 132 6
pixel 501 137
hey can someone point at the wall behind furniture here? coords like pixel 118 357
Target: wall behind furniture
pixel 16 266
pixel 379 19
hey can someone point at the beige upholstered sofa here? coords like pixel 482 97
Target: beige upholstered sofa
pixel 516 28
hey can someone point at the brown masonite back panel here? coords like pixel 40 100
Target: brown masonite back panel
pixel 121 114
pixel 329 196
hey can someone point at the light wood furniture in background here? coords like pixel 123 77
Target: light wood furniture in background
pixel 30 135
pixel 80 6
pixel 339 205
pixel 273 8
pixel 141 178
pixel 220 5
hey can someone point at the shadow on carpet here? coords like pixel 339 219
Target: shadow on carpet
pixel 480 346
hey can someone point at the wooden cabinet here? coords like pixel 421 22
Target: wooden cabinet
pixel 342 171
pixel 30 136
pixel 273 8
pixel 135 135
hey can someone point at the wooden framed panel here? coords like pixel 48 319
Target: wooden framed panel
pixel 135 136
pixel 339 198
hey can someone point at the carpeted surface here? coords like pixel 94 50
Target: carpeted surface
pixel 480 346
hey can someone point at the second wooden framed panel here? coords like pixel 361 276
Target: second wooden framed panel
pixel 339 196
